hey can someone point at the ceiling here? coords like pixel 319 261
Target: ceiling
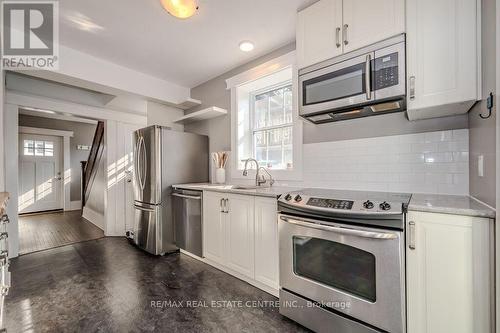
pixel 141 35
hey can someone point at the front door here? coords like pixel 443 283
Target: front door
pixel 40 174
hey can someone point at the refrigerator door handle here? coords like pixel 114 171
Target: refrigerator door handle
pixel 136 161
pixel 144 164
pixel 143 208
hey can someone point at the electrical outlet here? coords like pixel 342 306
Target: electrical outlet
pixel 480 165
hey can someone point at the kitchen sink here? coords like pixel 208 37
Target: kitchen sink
pixel 234 187
pixel 247 187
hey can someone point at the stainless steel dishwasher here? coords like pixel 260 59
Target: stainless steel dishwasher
pixel 187 211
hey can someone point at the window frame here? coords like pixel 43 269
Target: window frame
pixel 253 129
pixel 274 66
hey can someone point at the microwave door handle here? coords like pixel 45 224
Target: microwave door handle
pixel 344 231
pixel 368 77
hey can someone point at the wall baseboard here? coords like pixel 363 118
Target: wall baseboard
pixel 75 205
pixel 93 217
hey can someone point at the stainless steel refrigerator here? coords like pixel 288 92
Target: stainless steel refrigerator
pixel 163 157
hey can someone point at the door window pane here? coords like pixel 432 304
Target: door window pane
pixel 337 265
pixel 39 148
pixel 29 147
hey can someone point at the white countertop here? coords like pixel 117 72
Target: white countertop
pixel 450 204
pixel 432 203
pixel 272 192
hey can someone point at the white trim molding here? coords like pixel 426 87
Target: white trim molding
pixel 93 217
pixel 66 135
pixel 75 205
pixel 244 80
pixel 44 131
pixel 57 106
pixel 267 68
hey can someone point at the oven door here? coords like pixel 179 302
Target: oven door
pixel 337 86
pixel 353 270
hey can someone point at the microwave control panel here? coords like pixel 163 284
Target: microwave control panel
pixel 386 71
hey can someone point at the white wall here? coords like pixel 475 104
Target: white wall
pixel 83 70
pixel 163 115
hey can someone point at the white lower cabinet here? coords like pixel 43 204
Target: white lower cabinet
pixel 214 221
pixel 240 233
pixel 449 273
pixel 266 241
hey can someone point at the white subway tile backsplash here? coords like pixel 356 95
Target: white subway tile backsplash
pixel 434 162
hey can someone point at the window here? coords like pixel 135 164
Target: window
pixel 38 148
pixel 273 127
pixel 264 117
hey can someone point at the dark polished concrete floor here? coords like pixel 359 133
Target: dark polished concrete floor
pixel 107 285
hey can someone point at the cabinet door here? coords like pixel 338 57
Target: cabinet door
pixel 266 241
pixel 213 226
pixel 442 58
pixel 319 32
pixel 240 234
pixel 368 22
pixel 448 273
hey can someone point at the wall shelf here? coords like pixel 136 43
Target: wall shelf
pixel 188 104
pixel 208 113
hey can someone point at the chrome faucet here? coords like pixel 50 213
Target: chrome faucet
pixel 260 179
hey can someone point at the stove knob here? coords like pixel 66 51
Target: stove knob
pixel 298 198
pixel 385 206
pixel 288 197
pixel 368 204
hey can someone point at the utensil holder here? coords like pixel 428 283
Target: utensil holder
pixel 220 175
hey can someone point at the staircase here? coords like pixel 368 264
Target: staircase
pixel 89 167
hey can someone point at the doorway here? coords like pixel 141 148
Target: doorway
pixel 40 173
pixel 50 151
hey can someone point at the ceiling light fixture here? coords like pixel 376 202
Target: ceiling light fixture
pixel 246 46
pixel 182 9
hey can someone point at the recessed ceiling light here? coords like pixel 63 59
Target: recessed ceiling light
pixel 180 8
pixel 246 46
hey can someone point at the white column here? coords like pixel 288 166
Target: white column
pixel 11 174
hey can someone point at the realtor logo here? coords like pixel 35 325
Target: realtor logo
pixel 30 35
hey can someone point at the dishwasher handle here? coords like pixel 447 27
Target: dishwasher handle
pixel 185 196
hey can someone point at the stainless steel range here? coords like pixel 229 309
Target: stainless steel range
pixel 342 263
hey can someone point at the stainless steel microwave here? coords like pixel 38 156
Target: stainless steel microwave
pixel 366 82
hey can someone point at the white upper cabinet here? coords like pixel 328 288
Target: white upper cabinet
pixel 367 22
pixel 442 69
pixel 329 28
pixel 319 32
pixel 449 273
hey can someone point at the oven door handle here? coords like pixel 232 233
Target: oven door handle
pixel 341 230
